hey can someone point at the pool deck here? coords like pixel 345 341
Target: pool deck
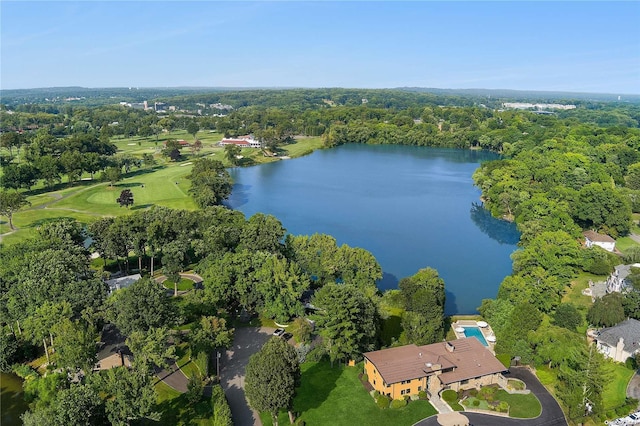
pixel 486 331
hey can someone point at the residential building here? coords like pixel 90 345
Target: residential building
pixel 617 281
pixel 592 238
pixel 459 364
pixel 621 341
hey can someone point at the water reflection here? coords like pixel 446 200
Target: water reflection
pixel 501 231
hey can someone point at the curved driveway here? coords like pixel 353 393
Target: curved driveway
pixel 246 342
pixel 551 415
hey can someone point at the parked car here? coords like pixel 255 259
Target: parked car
pixel 278 332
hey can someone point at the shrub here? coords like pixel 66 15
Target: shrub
pixel 303 351
pixel 382 401
pixel 316 354
pixel 364 378
pixel 503 407
pixel 473 392
pixel 398 403
pixel 476 402
pixel 376 393
pixel 423 395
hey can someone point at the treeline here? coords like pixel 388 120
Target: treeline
pixel 53 298
pixel 583 177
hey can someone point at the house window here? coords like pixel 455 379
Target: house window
pixel 464 382
pixel 388 385
pixel 389 394
pixel 374 382
pixel 419 388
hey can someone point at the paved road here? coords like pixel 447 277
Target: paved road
pixel 173 377
pixel 551 415
pixel 246 342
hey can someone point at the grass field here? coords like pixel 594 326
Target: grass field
pixel 335 396
pixel 164 184
pixel 615 388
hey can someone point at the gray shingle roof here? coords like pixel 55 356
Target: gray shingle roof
pixel 629 330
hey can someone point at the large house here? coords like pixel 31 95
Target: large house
pixel 621 341
pixel 592 238
pixel 246 141
pixel 617 281
pixel 459 364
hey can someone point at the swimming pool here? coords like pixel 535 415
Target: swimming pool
pixel 475 332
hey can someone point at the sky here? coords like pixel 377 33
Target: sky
pixel 544 45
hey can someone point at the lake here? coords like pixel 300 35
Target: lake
pixel 11 399
pixel 412 207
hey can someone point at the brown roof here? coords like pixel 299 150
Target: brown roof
pixel 601 238
pixel 468 359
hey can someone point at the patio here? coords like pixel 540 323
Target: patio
pixel 485 330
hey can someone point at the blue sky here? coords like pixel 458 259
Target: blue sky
pixel 565 46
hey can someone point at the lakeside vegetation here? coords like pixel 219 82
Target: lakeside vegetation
pixel 561 174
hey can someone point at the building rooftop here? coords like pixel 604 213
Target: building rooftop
pixel 459 360
pixel 628 330
pixel 601 238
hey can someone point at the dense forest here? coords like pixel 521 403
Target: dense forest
pixel 561 173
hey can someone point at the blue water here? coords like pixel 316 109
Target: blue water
pixel 475 332
pixel 412 207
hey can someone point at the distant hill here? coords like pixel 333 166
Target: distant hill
pixel 524 95
pixel 490 97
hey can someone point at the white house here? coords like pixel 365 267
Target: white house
pixel 617 281
pixel 620 341
pixel 246 141
pixel 594 239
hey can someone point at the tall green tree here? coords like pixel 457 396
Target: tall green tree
pixel 75 344
pixel 151 348
pixel 348 321
pixel 210 182
pixel 232 152
pixel 11 202
pixel 140 307
pixel 272 375
pixel 424 297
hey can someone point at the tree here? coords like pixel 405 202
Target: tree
pixel 632 179
pixel 41 324
pixel 347 321
pixel 150 348
pixel 129 394
pixel 112 175
pixel 262 233
pixel 210 182
pixel 125 198
pixel 172 149
pixel 210 333
pixel 75 344
pixel 140 307
pixel 232 152
pixel 192 128
pixel 607 311
pixel 271 378
pixel 567 316
pixel 600 206
pixel 221 409
pixel 79 405
pixel 196 146
pixel 424 297
pixel 11 202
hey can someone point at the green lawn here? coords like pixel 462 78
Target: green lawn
pixel 335 396
pixel 615 388
pixel 623 244
pixel 183 285
pixel 175 410
pixel 521 406
pixel 451 398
